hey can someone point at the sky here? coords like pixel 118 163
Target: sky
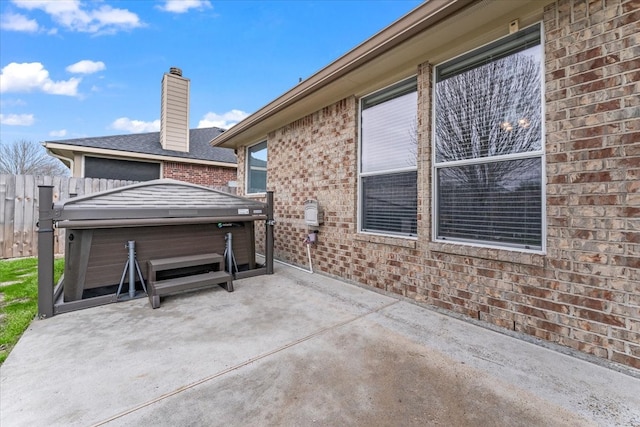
pixel 75 69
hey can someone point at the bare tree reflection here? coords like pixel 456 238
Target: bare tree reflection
pixel 488 111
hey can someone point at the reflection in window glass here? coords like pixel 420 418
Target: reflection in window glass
pixel 257 168
pixel 488 144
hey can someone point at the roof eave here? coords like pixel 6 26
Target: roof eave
pixel 421 18
pixel 56 148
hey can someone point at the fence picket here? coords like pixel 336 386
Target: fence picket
pixel 27 231
pixel 18 217
pixel 7 204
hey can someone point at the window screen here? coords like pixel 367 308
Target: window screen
pixel 488 144
pixel 498 202
pixel 389 202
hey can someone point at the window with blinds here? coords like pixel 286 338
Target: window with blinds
pixel 388 168
pixel 488 147
pixel 257 168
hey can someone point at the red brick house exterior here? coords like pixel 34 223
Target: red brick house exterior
pixel 581 288
pixel 208 176
pixel 140 157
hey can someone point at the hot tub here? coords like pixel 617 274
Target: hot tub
pixel 165 218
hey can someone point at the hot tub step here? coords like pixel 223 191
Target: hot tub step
pixel 156 265
pixel 187 283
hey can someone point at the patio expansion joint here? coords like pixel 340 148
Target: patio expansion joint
pixel 245 363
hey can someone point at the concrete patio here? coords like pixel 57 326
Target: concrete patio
pixel 298 349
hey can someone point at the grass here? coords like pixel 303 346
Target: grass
pixel 19 298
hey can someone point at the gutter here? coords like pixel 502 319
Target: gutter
pixel 62 158
pixel 110 153
pixel 416 21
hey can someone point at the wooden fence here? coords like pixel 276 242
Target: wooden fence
pixel 19 208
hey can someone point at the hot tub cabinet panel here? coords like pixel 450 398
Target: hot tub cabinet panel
pixel 96 258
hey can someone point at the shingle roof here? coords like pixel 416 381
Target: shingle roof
pixel 149 143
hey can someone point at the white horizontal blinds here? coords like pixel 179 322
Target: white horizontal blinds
pixel 488 144
pixel 389 130
pixel 493 202
pixel 389 203
pixel 388 177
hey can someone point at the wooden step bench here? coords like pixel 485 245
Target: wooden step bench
pixel 159 288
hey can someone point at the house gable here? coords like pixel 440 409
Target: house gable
pixel 203 164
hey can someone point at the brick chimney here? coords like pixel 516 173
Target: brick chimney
pixel 174 113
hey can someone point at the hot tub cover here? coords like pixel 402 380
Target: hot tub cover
pixel 161 198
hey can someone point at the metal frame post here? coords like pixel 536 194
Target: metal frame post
pixel 132 270
pixel 269 233
pixel 45 251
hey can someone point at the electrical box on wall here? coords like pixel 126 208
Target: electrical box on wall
pixel 313 215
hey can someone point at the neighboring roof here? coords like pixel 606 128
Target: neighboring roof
pixel 161 198
pixel 149 143
pixel 425 34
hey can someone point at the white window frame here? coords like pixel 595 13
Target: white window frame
pixel 248 167
pixel 412 236
pixel 541 154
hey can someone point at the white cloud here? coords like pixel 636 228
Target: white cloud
pixel 17 119
pixel 135 126
pixel 224 121
pixel 50 6
pixel 86 67
pixel 58 133
pixel 76 16
pixel 18 22
pixel 32 76
pixel 182 6
pixel 12 103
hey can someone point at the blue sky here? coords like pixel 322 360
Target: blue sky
pixel 72 69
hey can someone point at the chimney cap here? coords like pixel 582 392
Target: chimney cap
pixel 175 71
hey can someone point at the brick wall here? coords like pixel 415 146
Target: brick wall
pixel 314 158
pixel 584 292
pixel 210 176
pixel 593 171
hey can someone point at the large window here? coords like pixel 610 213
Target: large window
pixel 488 149
pixel 388 173
pixel 257 168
